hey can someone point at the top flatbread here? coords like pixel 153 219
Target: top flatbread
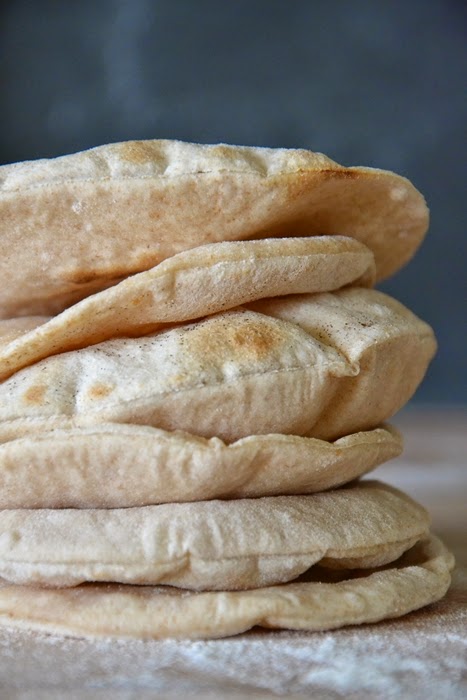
pixel 73 225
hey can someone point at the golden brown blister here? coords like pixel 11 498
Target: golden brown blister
pixel 188 286
pixel 134 204
pixel 211 545
pixel 113 466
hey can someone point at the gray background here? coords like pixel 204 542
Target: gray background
pixel 367 82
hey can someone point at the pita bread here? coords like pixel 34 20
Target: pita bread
pixel 237 373
pixel 142 466
pixel 194 374
pixel 188 286
pixel 211 545
pixel 420 577
pixel 133 204
pixel 388 347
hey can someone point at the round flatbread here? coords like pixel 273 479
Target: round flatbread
pixel 140 466
pixel 188 286
pixel 420 577
pixel 211 545
pixel 325 366
pixel 131 205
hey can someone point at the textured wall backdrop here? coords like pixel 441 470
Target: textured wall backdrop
pixel 371 83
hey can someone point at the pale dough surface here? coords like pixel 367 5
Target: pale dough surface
pixel 419 578
pixel 211 545
pixel 394 658
pixel 134 204
pixel 140 465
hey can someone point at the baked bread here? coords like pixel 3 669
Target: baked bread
pixel 74 225
pixel 211 545
pixel 327 601
pixel 321 365
pixel 118 466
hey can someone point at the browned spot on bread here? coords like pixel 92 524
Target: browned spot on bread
pixel 241 340
pixel 137 152
pixel 140 299
pixel 255 340
pixel 342 173
pixel 99 390
pixel 224 151
pixel 35 394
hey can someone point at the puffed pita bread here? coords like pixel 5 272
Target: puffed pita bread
pixel 231 375
pixel 188 286
pixel 211 545
pixel 131 205
pixel 387 345
pixel 117 466
pixel 420 577
pixel 237 373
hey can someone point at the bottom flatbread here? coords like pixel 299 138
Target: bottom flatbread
pixel 420 577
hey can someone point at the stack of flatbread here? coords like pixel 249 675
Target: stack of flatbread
pixel 195 370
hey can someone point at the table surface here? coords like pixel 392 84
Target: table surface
pixel 421 655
